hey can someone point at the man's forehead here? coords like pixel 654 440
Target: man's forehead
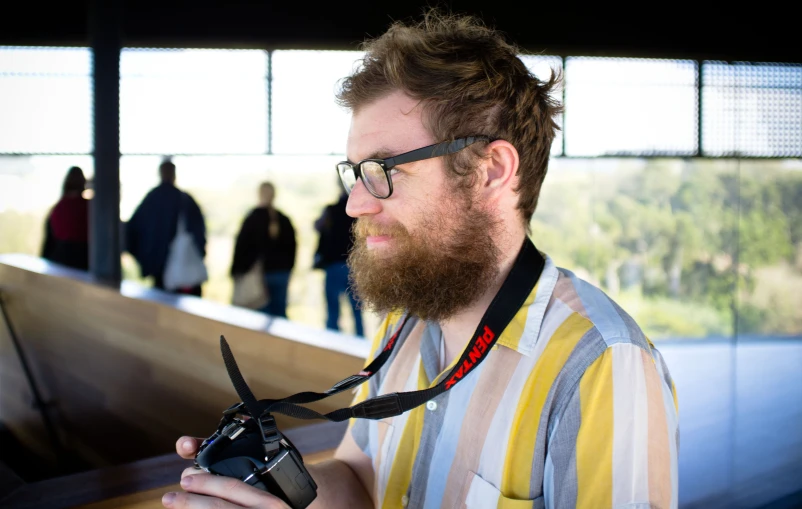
pixel 386 127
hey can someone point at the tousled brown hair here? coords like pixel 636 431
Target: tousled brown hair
pixel 471 82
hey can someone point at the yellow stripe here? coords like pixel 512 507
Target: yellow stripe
pixel 594 442
pixel 511 336
pixel 446 371
pixel 510 503
pixel 521 446
pixel 389 323
pixel 401 471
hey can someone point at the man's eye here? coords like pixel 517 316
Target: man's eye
pixel 392 171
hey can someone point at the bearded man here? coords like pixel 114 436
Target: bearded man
pixel 545 392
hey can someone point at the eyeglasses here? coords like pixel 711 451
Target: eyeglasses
pixel 375 173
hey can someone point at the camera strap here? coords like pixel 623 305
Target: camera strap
pixel 519 283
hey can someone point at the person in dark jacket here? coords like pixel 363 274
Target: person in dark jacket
pixel 155 222
pixel 268 236
pixel 67 226
pixel 336 241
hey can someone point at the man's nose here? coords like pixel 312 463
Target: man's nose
pixel 361 202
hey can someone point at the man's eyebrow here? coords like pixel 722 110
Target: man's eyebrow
pixel 383 153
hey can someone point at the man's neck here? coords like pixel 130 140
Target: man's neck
pixel 458 329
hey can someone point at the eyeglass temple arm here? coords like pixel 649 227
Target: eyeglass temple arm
pixel 436 150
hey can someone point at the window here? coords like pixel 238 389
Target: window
pixel 617 106
pixel 543 66
pixel 752 109
pixel 306 118
pixel 45 100
pixel 193 101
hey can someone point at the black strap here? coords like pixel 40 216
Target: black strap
pixel 243 391
pixel 519 283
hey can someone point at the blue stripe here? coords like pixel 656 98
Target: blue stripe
pixel 601 312
pixel 548 483
pixel 537 310
pixel 372 448
pixel 448 438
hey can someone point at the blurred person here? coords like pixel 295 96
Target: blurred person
pixel 67 226
pixel 547 394
pixel 154 225
pixel 267 236
pixel 336 241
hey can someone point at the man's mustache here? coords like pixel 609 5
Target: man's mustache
pixel 366 228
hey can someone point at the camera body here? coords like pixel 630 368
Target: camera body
pixel 259 455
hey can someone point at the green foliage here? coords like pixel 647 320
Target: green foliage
pixel 685 238
pixel 668 318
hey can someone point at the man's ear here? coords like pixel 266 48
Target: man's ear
pixel 500 167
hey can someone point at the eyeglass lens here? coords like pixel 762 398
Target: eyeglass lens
pixel 373 177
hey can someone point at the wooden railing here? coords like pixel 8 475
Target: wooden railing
pixel 125 371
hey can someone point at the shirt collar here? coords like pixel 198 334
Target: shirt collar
pixel 522 333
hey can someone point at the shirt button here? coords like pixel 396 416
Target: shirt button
pixel 431 405
pixel 404 500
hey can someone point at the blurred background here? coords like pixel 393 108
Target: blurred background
pixel 675 184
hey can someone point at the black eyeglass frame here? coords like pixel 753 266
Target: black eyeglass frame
pixel 419 154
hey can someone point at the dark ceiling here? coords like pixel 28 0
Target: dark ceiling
pixel 756 32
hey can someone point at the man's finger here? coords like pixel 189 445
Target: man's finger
pixel 193 471
pixel 174 500
pixel 231 490
pixel 187 447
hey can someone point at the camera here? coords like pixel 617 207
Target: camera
pixel 253 450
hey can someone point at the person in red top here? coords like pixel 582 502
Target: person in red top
pixel 67 226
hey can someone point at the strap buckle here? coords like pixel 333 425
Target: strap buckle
pixel 270 433
pixel 386 405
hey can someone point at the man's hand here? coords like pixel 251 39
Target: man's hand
pixel 213 491
pixel 187 447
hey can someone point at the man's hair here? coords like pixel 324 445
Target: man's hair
pixel 167 170
pixel 471 82
pixel 75 181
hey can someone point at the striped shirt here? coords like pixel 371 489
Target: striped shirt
pixel 573 407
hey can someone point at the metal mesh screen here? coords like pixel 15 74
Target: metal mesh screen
pixel 751 109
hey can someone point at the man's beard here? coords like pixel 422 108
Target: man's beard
pixel 432 274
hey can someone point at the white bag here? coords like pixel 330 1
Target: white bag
pixel 250 290
pixel 185 267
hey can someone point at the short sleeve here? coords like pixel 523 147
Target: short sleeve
pixel 616 442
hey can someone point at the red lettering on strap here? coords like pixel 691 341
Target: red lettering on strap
pixel 476 353
pixel 480 345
